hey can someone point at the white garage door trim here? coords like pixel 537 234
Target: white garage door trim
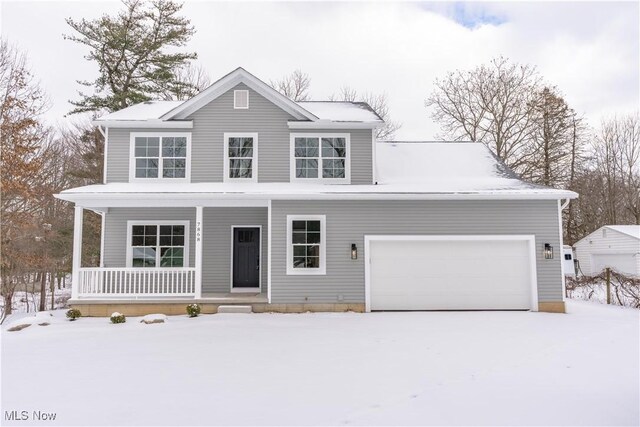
pixel 530 239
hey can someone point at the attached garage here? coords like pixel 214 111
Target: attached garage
pixel 450 273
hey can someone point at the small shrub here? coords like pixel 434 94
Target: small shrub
pixel 193 310
pixel 118 318
pixel 73 314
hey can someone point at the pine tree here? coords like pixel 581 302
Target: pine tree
pixel 137 53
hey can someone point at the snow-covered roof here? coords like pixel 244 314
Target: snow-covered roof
pixel 341 111
pixel 447 166
pixel 176 113
pixel 324 110
pixel 629 230
pixel 148 110
pixel 428 171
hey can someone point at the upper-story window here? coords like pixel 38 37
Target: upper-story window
pixel 241 99
pixel 241 157
pixel 320 158
pixel 160 156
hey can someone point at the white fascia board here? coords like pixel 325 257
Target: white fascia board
pixel 228 82
pixel 327 124
pixel 256 199
pixel 155 124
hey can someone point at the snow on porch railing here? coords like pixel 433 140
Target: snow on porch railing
pixel 133 282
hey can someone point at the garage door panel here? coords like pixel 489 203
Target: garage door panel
pixel 441 275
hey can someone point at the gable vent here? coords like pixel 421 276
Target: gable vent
pixel 241 99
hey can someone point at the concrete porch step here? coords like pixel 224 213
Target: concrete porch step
pixel 234 309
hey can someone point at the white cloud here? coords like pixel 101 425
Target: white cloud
pixel 590 50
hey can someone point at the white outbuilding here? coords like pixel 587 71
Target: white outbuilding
pixel 613 246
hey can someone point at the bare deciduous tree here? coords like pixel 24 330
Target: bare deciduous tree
pixel 378 103
pixel 294 86
pixel 190 80
pixel 22 102
pixel 491 103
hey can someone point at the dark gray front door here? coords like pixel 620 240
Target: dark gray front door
pixel 246 257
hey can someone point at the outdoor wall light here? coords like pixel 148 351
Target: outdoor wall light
pixel 354 251
pixel 548 251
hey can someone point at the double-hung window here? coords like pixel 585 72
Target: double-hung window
pixel 160 156
pixel 320 158
pixel 158 244
pixel 241 157
pixel 306 244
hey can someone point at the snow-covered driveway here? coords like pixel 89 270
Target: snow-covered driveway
pixel 498 368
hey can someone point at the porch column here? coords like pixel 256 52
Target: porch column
pixel 199 225
pixel 77 251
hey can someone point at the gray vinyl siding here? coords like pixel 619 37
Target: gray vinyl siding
pixel 216 235
pixel 214 119
pixel 348 222
pixel 115 233
pixel 216 241
pixel 207 141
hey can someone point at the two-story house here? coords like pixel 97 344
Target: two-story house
pixel 240 195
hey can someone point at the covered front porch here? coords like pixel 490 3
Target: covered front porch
pixel 219 255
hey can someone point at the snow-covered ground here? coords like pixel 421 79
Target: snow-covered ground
pixel 28 302
pixel 444 368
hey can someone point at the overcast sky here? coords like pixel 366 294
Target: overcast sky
pixel 590 50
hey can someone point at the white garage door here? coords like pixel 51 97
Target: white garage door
pixel 450 274
pixel 622 263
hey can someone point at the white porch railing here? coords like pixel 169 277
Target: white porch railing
pixel 136 282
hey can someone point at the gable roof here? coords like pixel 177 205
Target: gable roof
pixel 629 230
pixel 174 114
pixel 234 78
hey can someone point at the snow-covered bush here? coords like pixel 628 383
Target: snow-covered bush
pixel 73 314
pixel 193 310
pixel 118 318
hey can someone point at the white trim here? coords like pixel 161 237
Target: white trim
pixel 254 158
pixel 159 124
pixel 77 251
pixel 561 237
pixel 105 154
pixel 328 124
pixel 529 238
pixel 199 236
pixel 320 180
pixel 236 93
pixel 100 200
pixel 132 157
pixel 103 222
pixel 230 81
pixel 374 173
pixel 322 270
pixel 269 233
pixel 246 290
pixel 158 223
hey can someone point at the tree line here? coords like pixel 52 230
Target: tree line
pixel 140 54
pixel 528 123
